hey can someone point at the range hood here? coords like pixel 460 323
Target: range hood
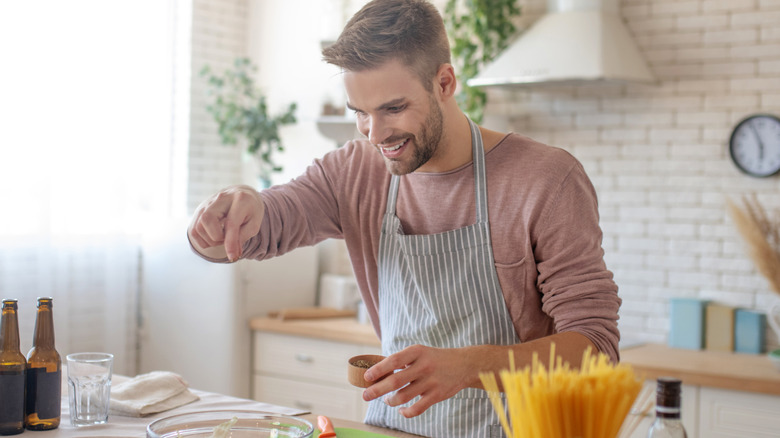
pixel 576 41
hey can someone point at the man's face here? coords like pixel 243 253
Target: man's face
pixel 399 117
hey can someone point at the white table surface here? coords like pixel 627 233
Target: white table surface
pixel 119 426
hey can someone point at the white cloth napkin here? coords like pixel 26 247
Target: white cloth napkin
pixel 150 393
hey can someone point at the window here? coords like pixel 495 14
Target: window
pixel 85 161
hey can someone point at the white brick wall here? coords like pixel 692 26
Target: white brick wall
pixel 219 35
pixel 658 154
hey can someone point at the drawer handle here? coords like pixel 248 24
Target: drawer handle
pixel 301 357
pixel 302 405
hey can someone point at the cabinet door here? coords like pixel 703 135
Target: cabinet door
pixel 307 373
pixel 320 399
pixel 738 414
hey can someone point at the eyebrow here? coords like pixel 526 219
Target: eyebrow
pixel 392 103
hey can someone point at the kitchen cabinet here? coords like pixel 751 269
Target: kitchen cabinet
pixel 732 395
pixel 737 414
pixel 297 364
pixel 303 364
pixel 720 413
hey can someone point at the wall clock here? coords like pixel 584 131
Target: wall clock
pixel 755 145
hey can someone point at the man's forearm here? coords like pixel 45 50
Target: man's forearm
pixel 495 358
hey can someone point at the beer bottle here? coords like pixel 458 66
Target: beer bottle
pixel 44 373
pixel 12 368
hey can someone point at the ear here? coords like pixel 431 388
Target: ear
pixel 445 82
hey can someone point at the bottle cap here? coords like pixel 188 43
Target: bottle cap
pixel 668 391
pixel 670 384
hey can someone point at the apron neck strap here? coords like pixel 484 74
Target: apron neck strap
pixel 480 175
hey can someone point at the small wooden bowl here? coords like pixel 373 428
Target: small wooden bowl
pixel 358 366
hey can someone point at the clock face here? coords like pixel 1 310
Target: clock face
pixel 755 145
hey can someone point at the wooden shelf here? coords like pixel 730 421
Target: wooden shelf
pixel 338 128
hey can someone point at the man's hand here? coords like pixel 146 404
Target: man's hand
pixel 435 374
pixel 225 221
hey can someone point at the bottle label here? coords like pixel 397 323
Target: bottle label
pixel 12 399
pixel 44 391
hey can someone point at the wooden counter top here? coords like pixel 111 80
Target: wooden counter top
pixel 736 371
pixel 331 329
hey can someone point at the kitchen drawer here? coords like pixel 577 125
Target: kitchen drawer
pixel 322 399
pixel 726 413
pixel 304 358
pixel 307 373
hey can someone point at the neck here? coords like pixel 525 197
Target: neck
pixel 455 148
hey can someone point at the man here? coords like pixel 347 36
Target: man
pixel 470 245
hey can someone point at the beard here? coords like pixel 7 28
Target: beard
pixel 424 147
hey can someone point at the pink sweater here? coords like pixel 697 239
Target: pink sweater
pixel 544 227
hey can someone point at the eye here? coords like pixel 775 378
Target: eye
pixel 396 109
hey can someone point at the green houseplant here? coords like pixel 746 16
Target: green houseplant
pixel 479 30
pixel 242 116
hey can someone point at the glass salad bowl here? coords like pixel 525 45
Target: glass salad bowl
pixel 229 424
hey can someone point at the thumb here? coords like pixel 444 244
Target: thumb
pixel 233 244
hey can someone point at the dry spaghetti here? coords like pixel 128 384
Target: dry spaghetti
pixel 564 402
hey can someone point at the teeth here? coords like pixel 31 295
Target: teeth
pixel 394 148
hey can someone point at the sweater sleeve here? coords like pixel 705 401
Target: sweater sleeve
pixel 578 290
pixel 302 212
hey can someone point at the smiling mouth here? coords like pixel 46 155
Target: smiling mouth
pixel 393 148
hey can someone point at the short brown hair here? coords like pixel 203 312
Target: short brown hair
pixel 411 31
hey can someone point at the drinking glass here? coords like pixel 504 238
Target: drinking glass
pixel 89 387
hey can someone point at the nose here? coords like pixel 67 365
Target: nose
pixel 374 129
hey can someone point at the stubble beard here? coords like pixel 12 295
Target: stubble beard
pixel 425 148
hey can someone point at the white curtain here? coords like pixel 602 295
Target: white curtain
pixel 85 146
pixel 94 283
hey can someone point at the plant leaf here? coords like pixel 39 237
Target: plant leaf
pixel 241 111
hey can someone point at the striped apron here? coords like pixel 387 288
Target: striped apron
pixel 442 290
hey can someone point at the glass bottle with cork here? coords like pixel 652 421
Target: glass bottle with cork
pixel 44 373
pixel 12 370
pixel 667 422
